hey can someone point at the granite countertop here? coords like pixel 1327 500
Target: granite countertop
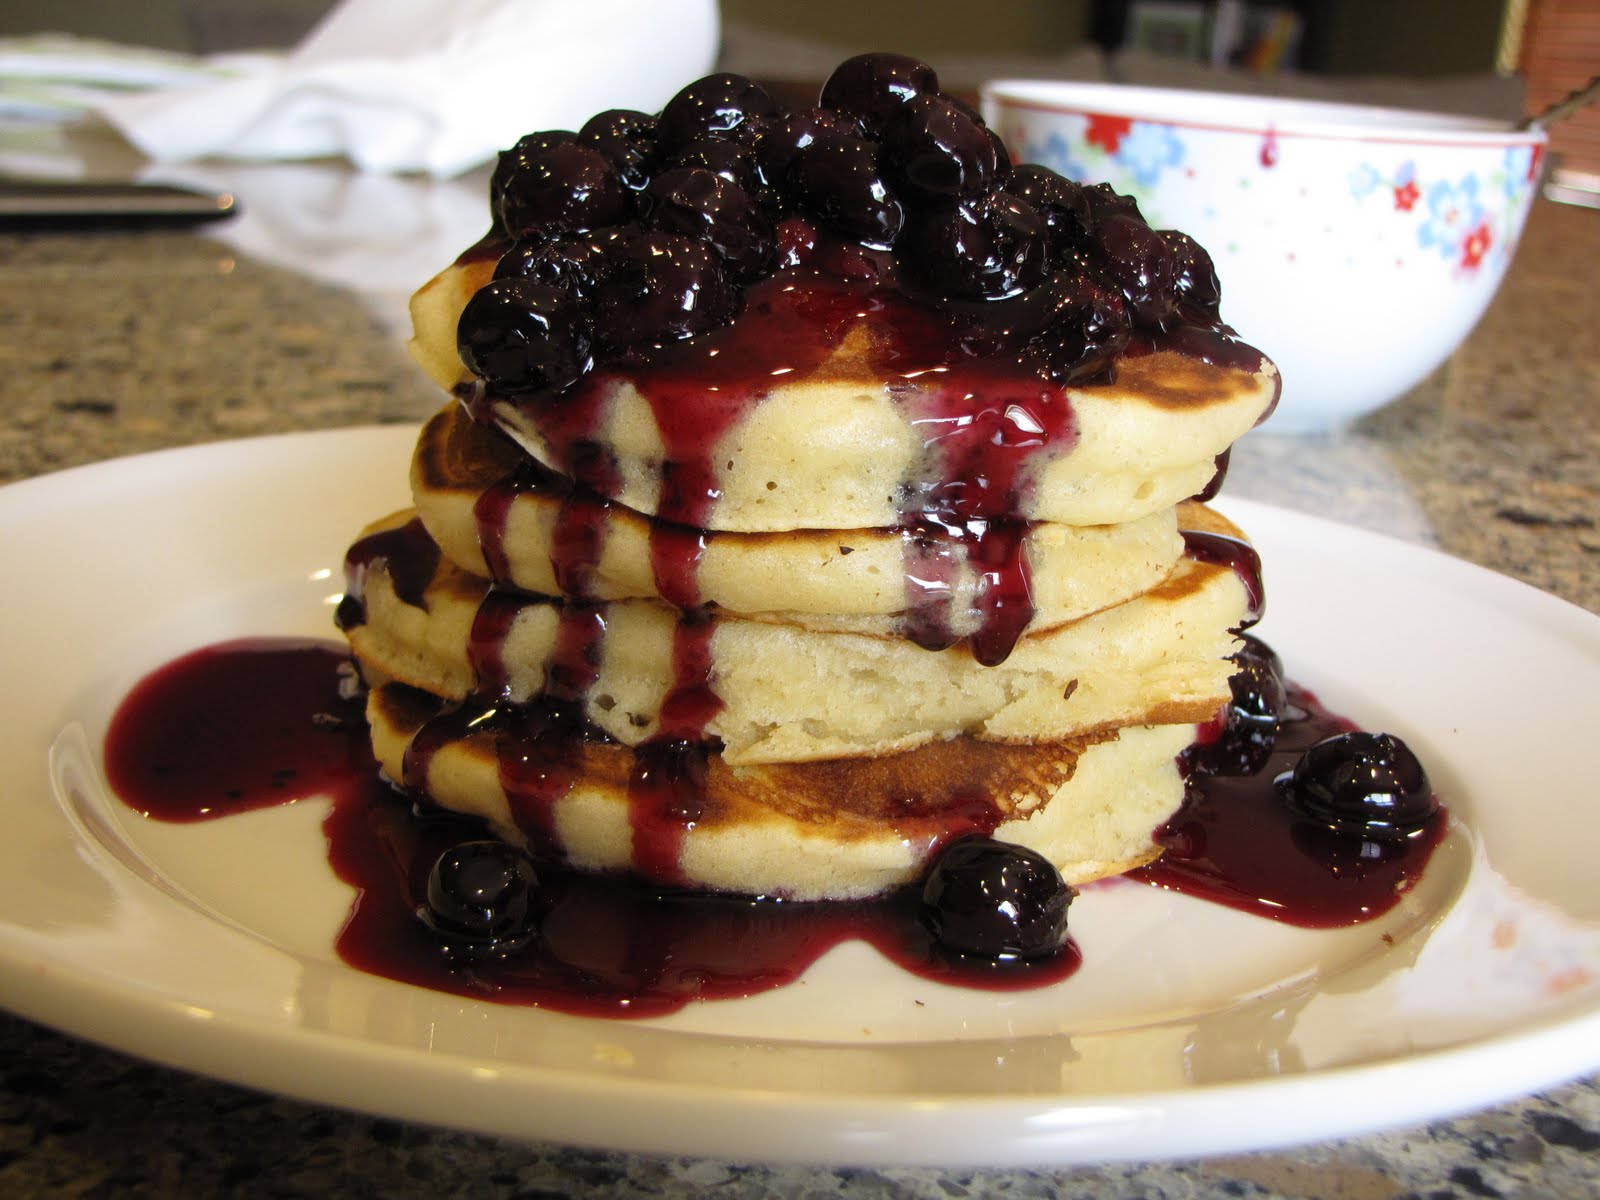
pixel 120 342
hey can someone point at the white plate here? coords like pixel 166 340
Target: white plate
pixel 1191 1029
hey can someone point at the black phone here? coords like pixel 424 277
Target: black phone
pixel 72 204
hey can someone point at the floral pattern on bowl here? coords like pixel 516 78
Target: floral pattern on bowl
pixel 1464 221
pixel 1455 221
pixel 1358 256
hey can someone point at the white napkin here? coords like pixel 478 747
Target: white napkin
pixel 434 86
pixel 56 77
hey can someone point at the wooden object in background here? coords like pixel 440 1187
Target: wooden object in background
pixel 1559 53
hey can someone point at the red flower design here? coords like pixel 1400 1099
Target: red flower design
pixel 1406 195
pixel 1107 132
pixel 1475 246
pixel 1269 148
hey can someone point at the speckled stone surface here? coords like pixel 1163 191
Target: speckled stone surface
pixel 1496 457
pixel 116 343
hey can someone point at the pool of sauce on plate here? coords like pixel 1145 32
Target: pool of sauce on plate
pixel 257 722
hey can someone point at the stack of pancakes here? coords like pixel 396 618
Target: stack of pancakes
pixel 800 693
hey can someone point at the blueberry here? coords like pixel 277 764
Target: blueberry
pixel 1141 263
pixel 565 186
pixel 1063 206
pixel 994 900
pixel 702 204
pixel 568 263
pixel 734 161
pixel 625 136
pixel 1368 785
pixel 797 241
pixel 1257 685
pixel 834 178
pixel 783 137
pixel 1002 158
pixel 660 287
pixel 480 901
pixel 719 106
pixel 1105 201
pixel 1249 726
pixel 1196 283
pixel 870 87
pixel 934 149
pixel 984 249
pixel 1087 326
pixel 519 335
pixel 531 145
pixel 509 160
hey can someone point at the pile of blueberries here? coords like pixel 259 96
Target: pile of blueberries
pixel 640 230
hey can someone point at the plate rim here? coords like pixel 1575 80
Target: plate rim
pixel 834 1129
pixel 892 1129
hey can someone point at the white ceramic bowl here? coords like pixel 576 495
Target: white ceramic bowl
pixel 1356 246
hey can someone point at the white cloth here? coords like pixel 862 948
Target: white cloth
pixel 433 86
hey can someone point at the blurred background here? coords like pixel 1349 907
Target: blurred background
pixel 1334 36
pixel 1503 58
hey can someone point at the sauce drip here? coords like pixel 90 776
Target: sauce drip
pixel 1238 555
pixel 539 743
pixel 987 420
pixel 411 557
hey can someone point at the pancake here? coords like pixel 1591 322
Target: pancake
pixel 787 693
pixel 834 830
pixel 469 494
pixel 850 442
pixel 810 495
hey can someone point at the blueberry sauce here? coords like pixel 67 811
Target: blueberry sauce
pixel 411 557
pixel 1237 841
pixel 670 766
pixel 617 947
pixel 257 722
pixel 539 743
pixel 987 422
pixel 237 726
pixel 982 432
pixel 1211 547
pixel 612 947
pixel 668 778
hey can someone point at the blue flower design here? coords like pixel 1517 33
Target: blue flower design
pixel 1519 161
pixel 1364 180
pixel 1148 150
pixel 1056 153
pixel 1453 212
